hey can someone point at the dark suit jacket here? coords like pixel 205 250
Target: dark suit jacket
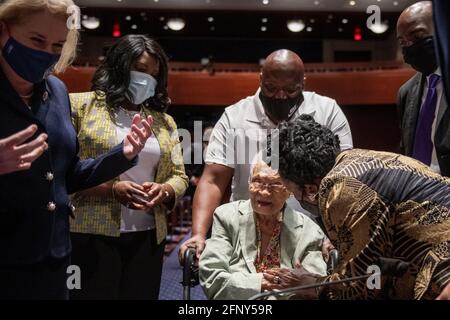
pixel 408 105
pixel 30 229
pixel 441 15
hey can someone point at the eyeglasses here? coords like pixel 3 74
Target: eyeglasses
pixel 271 187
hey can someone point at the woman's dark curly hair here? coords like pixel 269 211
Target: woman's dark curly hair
pixel 112 77
pixel 307 150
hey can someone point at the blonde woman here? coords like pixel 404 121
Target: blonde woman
pixel 34 241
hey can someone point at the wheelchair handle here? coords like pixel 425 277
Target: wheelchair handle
pixel 334 259
pixel 189 259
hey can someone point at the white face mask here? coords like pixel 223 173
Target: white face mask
pixel 142 86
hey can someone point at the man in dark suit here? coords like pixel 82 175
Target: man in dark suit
pixel 424 120
pixel 441 9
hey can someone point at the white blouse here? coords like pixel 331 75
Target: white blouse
pixel 144 171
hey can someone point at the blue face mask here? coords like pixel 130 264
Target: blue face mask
pixel 142 86
pixel 30 64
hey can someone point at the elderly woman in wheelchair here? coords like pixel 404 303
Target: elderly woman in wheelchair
pixel 260 244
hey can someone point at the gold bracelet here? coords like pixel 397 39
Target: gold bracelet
pixel 166 193
pixel 112 189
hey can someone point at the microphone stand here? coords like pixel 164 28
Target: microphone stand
pixel 316 285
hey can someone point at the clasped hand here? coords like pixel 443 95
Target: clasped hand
pixel 139 197
pixel 283 278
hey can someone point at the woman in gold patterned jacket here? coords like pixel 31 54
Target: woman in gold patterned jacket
pixel 380 210
pixel 119 228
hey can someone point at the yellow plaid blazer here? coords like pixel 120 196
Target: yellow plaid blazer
pixel 97 134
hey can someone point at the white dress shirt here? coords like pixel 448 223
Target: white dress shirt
pixel 241 134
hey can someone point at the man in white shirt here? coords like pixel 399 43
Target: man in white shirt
pixel 425 130
pixel 241 135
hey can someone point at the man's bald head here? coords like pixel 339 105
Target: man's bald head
pixel 283 69
pixel 282 82
pixel 415 23
pixel 284 62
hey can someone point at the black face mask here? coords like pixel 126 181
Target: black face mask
pixel 421 56
pixel 314 209
pixel 280 109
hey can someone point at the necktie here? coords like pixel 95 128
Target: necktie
pixel 423 146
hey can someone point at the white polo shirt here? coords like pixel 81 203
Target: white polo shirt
pixel 241 134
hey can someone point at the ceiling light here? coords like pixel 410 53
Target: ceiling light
pixel 128 18
pixel 352 3
pixel 395 3
pixel 210 19
pixel 265 2
pixel 176 24
pixel 378 28
pixel 309 29
pixel 91 23
pixel 344 21
pixel 264 20
pixel 316 3
pixel 263 28
pixel 134 27
pixel 295 25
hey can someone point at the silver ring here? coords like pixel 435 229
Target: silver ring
pixel 276 279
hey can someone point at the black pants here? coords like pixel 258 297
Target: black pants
pixel 46 280
pixel 127 267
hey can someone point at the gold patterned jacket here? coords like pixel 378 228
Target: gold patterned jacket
pixel 380 204
pixel 97 134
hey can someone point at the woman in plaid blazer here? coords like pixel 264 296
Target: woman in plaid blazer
pixel 119 229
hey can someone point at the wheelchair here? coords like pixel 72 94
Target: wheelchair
pixel 191 276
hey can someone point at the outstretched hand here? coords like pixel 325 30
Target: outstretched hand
pixel 16 155
pixel 141 130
